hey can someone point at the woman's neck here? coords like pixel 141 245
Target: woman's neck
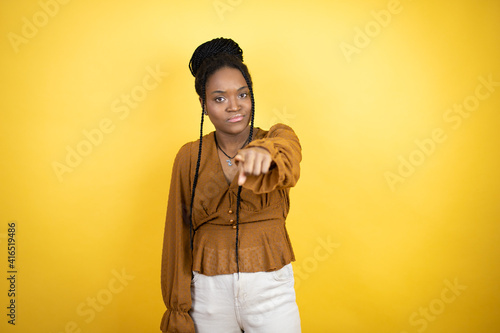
pixel 231 143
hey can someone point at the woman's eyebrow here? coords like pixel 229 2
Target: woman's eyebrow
pixel 222 91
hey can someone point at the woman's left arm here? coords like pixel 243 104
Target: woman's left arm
pixel 272 162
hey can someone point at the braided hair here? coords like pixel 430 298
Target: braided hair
pixel 206 60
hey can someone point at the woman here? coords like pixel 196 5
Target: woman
pixel 226 262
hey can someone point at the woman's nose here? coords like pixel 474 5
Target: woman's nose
pixel 232 104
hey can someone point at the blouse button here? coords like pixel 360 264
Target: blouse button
pixel 230 211
pixel 231 221
pixel 234 226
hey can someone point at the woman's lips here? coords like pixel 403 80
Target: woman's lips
pixel 236 118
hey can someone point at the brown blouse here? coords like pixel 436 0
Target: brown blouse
pixel 263 242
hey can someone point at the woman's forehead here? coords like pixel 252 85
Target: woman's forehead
pixel 226 78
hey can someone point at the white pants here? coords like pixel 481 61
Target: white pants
pixel 262 302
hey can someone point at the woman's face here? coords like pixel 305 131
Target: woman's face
pixel 228 100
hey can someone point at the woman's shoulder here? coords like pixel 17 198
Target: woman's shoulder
pixel 278 129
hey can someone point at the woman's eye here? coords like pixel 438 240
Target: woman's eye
pixel 219 99
pixel 243 95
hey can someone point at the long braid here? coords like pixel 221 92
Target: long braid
pixel 249 84
pixel 208 58
pixel 238 199
pixel 195 181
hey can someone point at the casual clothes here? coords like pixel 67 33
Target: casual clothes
pixel 263 243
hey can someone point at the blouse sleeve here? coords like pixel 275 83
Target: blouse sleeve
pixel 176 266
pixel 284 147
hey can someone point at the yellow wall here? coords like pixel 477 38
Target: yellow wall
pixel 395 221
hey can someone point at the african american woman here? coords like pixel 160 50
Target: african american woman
pixel 226 261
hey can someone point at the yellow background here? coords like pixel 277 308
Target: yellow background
pixel 392 249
